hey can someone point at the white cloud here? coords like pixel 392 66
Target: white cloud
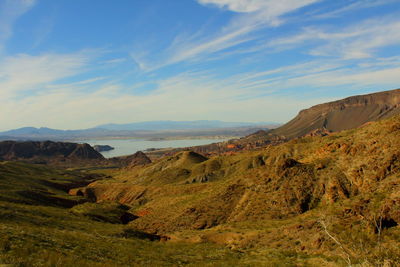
pixel 184 97
pixel 10 11
pixel 25 72
pixel 237 6
pixel 196 95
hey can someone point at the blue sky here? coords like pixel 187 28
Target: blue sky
pixel 75 64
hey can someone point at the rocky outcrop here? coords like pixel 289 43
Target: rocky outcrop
pixel 137 159
pixel 130 161
pixel 102 148
pixel 12 150
pixel 319 132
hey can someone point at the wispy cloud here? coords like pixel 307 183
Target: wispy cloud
pixel 43 30
pixel 376 78
pixel 33 73
pixel 197 95
pixel 270 8
pixel 253 15
pixel 352 42
pixel 114 61
pixel 353 6
pixel 10 11
pixel 381 73
pixel 362 40
pixel 237 6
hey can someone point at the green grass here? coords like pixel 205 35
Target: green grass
pixel 40 232
pixel 52 236
pixel 36 184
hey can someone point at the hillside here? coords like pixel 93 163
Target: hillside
pixel 344 114
pixel 281 197
pixel 281 205
pixel 41 225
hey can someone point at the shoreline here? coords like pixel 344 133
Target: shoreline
pixel 155 139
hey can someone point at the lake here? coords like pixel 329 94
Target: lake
pixel 124 147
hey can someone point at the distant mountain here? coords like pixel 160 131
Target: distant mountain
pixel 149 129
pixel 32 133
pixel 177 125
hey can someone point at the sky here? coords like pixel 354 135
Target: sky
pixel 74 64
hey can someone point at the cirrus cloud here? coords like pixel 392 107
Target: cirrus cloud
pixel 271 7
pixel 10 11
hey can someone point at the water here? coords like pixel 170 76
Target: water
pixel 130 146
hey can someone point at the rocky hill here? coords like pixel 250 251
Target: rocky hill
pixel 130 161
pixel 47 150
pixel 102 148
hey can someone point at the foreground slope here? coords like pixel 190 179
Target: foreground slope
pixel 278 197
pixel 38 231
pixel 38 227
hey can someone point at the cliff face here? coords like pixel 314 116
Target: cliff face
pixel 11 150
pixel 344 114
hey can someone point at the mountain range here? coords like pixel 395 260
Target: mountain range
pixel 149 129
pixel 179 125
